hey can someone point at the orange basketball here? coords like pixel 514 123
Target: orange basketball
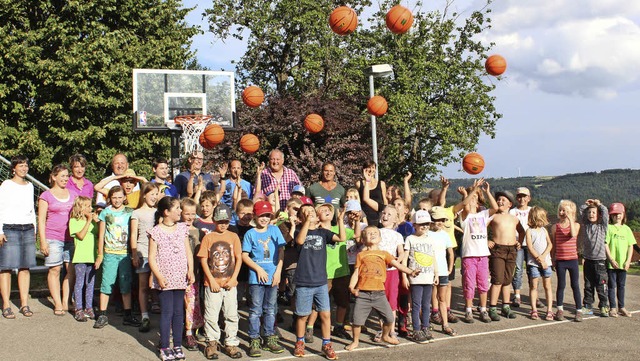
pixel 495 65
pixel 343 20
pixel 473 163
pixel 377 106
pixel 212 135
pixel 252 96
pixel 249 143
pixel 313 123
pixel 399 19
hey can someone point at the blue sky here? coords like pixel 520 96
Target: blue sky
pixel 570 97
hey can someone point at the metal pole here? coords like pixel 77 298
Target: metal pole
pixel 374 138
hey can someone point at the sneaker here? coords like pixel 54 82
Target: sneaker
pixel 131 320
pixel 578 316
pixel 298 351
pixel 254 348
pixel 559 315
pixel 506 312
pixel 604 311
pixel 624 312
pixel 88 312
pixel 451 317
pixel 232 351
pixel 419 337
pixel 484 316
pixel 587 311
pixel 145 326
pixel 493 314
pixel 210 351
pixel 166 354
pixel 339 331
pixel 468 317
pixel 80 316
pixel 178 353
pixel 101 321
pixel 308 335
pixel 436 318
pixel 428 336
pixel 272 345
pixel 328 352
pixel 613 313
pixel 189 342
pixel 515 302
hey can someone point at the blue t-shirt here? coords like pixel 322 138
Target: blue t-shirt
pixel 168 189
pixel 312 260
pixel 263 250
pixel 227 197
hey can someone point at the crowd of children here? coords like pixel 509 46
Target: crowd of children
pixel 227 247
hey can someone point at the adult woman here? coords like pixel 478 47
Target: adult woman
pixel 17 235
pixel 77 182
pixel 327 190
pixel 372 192
pixel 54 207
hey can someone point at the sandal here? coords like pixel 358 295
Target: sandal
pixel 8 313
pixel 378 337
pixel 59 312
pixel 549 316
pixel 534 315
pixel 26 311
pixel 449 331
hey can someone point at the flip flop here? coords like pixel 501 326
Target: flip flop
pixel 59 312
pixel 8 313
pixel 26 311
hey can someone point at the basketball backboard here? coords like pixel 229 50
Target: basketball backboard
pixel 159 95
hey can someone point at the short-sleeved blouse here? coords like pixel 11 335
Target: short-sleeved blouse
pixel 171 256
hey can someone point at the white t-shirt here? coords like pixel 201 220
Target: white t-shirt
pixel 442 242
pixel 389 241
pixel 422 256
pixel 539 244
pixel 523 217
pixel 475 238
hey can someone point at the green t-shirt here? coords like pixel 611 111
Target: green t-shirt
pixel 85 249
pixel 337 262
pixel 619 239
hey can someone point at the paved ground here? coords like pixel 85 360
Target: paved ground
pixel 48 337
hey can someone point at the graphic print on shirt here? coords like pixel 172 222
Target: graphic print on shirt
pixel 478 228
pixel 221 260
pixel 313 242
pixel 421 256
pixel 265 247
pixel 374 269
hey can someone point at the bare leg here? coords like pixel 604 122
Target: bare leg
pixel 495 294
pixel 143 291
pixel 67 283
pixel 506 293
pixel 546 282
pixel 533 292
pixel 325 323
pixel 104 301
pixel 126 301
pixel 356 338
pixel 24 281
pixel 5 288
pixel 483 300
pixel 53 280
pixel 386 334
pixel 311 320
pixel 301 324
pixel 442 302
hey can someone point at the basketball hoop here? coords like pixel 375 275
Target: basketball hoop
pixel 192 126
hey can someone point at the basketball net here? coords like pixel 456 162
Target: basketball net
pixel 192 126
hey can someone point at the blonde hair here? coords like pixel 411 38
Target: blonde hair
pixel 353 191
pixel 78 206
pixel 537 217
pixel 568 205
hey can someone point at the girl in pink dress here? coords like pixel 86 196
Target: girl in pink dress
pixel 171 263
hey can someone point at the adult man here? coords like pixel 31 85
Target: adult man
pixel 161 174
pixel 119 165
pixel 327 190
pixel 277 175
pixel 192 176
pixel 235 174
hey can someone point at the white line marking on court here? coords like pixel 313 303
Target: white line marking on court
pixel 409 343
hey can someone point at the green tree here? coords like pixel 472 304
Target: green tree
pixel 66 76
pixel 439 98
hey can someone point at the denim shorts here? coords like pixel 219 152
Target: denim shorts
pixel 143 265
pixel 443 280
pixel 307 297
pixel 20 249
pixel 536 272
pixel 59 252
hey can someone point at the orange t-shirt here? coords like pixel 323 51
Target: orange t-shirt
pixel 372 269
pixel 220 250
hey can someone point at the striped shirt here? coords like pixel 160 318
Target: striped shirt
pixel 565 247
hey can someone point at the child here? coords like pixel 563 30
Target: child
pixel 619 249
pixel 352 221
pixel 539 260
pixel 82 229
pixel 353 195
pixel 243 216
pixel 311 277
pixel 521 211
pixel 445 259
pixel 171 262
pixel 142 220
pixel 221 257
pixel 193 319
pixel 113 241
pixel 565 256
pixel 204 223
pixel 405 228
pixel 367 285
pixel 128 181
pixel 420 251
pixel 290 261
pixel 593 218
pixel 262 251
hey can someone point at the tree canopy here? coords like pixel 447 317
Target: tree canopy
pixel 66 76
pixel 439 99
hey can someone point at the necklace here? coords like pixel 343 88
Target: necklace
pixel 168 225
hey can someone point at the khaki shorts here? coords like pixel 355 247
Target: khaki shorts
pixel 368 301
pixel 502 264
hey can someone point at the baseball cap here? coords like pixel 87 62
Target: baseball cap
pixel 523 190
pixel 438 212
pixel 298 189
pixel 421 217
pixel 507 195
pixel 222 212
pixel 616 208
pixel 353 206
pixel 306 200
pixel 328 205
pixel 262 207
